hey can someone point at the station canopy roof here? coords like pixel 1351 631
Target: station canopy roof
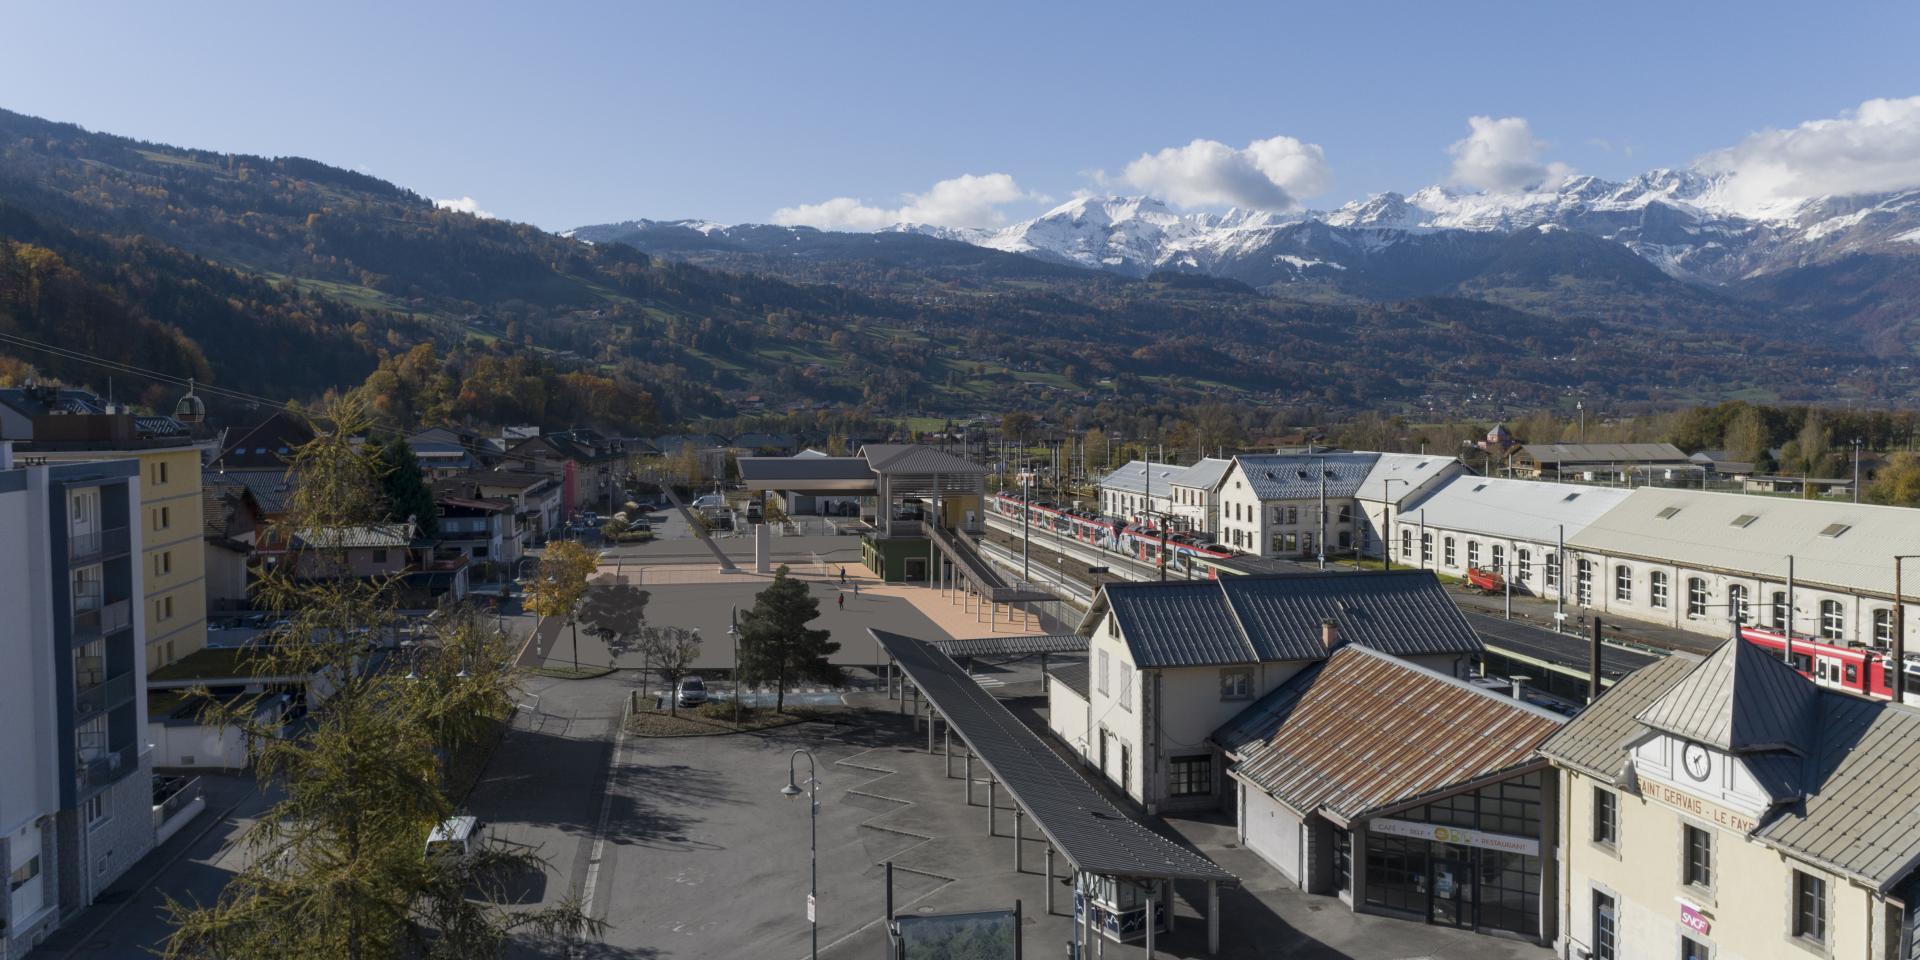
pixel 1080 822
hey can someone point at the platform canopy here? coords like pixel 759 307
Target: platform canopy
pixel 1012 646
pixel 1093 834
pixel 844 475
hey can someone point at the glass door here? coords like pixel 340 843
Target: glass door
pixel 1452 900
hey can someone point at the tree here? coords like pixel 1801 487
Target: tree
pixel 1747 437
pixel 1897 483
pixel 673 651
pixel 775 643
pixel 1094 449
pixel 337 868
pixel 404 490
pixel 560 583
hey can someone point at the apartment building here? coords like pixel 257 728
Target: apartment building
pixel 73 426
pixel 75 772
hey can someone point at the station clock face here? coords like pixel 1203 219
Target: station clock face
pixel 1695 759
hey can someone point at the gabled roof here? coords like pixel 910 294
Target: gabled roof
pixel 1364 731
pixel 904 458
pixel 266 445
pixel 227 509
pixel 368 535
pixel 1846 545
pixel 1520 509
pixel 1596 742
pixel 1073 676
pixel 1254 619
pixel 1604 453
pixel 1139 477
pixel 1851 804
pixel 1396 476
pixel 271 489
pixel 1298 476
pixel 1739 699
pixel 1205 474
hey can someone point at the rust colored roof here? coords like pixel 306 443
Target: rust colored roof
pixel 1362 731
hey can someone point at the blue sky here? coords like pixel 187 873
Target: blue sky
pixel 568 113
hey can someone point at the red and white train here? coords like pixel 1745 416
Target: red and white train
pixel 1862 670
pixel 1137 540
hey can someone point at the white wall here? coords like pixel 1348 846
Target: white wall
pixel 27 725
pixel 193 745
pixel 1273 832
pixel 1067 717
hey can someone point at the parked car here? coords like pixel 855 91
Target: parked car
pixel 692 691
pixel 711 501
pixel 456 839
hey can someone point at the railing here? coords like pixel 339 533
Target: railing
pixel 102 621
pixel 98 697
pixel 108 767
pixel 182 794
pixel 901 529
pixel 86 547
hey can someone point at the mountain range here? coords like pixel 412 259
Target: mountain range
pixel 1681 221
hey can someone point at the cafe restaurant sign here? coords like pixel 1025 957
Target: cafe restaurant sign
pixel 1466 838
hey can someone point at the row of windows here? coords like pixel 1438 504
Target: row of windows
pixel 1832 623
pixel 1697 870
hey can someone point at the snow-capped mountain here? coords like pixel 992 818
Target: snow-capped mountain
pixel 1680 220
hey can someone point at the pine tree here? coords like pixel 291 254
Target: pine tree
pixel 337 868
pixel 775 644
pixel 403 489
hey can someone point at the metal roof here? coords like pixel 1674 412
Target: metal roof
pixel 1407 471
pixel 1526 641
pixel 1738 699
pixel 848 474
pixel 1205 474
pixel 1853 803
pixel 1595 742
pixel 1093 834
pixel 1135 476
pixel 1073 676
pixel 369 535
pixel 1247 619
pixel 1605 453
pixel 898 458
pixel 1012 646
pixel 1363 731
pixel 1298 476
pixel 1517 509
pixel 1848 546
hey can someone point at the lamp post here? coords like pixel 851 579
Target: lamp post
pixel 1856 469
pixel 792 789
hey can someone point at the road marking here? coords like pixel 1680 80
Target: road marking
pixel 600 832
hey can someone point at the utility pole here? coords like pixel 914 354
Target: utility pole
pixel 1856 469
pixel 1386 532
pixel 1559 570
pixel 1026 521
pixel 1322 543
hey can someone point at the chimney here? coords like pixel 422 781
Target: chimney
pixel 1329 633
pixel 1519 687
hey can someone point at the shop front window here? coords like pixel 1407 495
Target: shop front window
pixel 1342 860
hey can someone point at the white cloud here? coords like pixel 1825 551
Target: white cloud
pixel 1270 174
pixel 1872 149
pixel 968 200
pixel 1502 156
pixel 464 205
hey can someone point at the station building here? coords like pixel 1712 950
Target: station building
pixel 1728 808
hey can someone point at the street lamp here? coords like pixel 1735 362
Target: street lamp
pixel 792 789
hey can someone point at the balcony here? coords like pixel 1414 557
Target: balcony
pixel 102 621
pixel 101 769
pixel 85 548
pixel 101 697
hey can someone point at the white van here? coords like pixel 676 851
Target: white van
pixel 456 839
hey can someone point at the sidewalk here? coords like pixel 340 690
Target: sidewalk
pixel 128 919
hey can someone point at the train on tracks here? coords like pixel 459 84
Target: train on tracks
pixel 1857 669
pixel 1187 552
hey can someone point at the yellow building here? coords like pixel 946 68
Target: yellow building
pixel 1731 809
pixel 173 560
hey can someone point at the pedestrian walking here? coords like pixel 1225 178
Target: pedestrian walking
pixel 843 601
pixel 856 589
pixel 843 576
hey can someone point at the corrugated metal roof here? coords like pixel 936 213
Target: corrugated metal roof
pixel 1519 509
pixel 1010 646
pixel 1073 676
pixel 1595 742
pixel 1843 545
pixel 1298 477
pixel 1177 623
pixel 1250 619
pixel 1364 730
pixel 898 458
pixel 1740 698
pixel 1605 453
pixel 1403 612
pixel 778 469
pixel 1133 477
pixel 369 535
pixel 1407 470
pixel 1081 823
pixel 1861 813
